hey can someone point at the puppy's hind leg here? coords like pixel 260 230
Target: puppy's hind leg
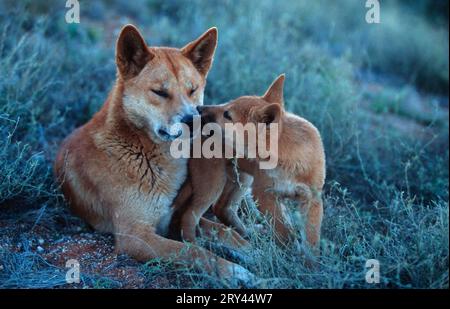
pixel 314 217
pixel 311 207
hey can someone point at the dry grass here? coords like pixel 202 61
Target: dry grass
pixel 387 191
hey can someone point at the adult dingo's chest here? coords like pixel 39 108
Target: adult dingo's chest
pixel 150 198
pixel 147 179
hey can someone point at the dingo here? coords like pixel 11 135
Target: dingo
pixel 299 174
pixel 117 172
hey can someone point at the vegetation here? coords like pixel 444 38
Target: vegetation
pixel 377 92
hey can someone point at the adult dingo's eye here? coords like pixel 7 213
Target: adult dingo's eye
pixel 192 91
pixel 161 93
pixel 226 115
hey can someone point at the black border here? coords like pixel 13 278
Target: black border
pixel 152 298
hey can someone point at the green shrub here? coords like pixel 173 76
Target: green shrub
pixel 386 195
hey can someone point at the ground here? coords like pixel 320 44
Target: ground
pixel 377 93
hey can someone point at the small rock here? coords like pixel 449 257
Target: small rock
pixel 41 241
pixel 40 249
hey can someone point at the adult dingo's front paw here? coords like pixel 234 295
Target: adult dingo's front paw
pixel 237 256
pixel 239 275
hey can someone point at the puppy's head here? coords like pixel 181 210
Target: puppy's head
pixel 264 109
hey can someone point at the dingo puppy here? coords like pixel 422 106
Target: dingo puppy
pixel 211 181
pixel 300 173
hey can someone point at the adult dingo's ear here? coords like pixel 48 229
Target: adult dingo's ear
pixel 267 114
pixel 275 92
pixel 132 53
pixel 201 51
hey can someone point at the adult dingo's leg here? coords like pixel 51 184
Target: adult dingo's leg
pixel 143 244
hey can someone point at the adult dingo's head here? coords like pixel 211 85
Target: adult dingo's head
pixel 162 86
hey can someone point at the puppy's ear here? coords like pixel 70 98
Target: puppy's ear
pixel 267 114
pixel 132 53
pixel 201 51
pixel 275 92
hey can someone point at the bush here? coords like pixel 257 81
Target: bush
pixel 386 192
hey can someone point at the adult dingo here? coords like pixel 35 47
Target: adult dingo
pixel 116 171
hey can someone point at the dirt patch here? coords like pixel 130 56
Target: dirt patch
pixel 100 266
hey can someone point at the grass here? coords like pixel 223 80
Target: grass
pixel 386 195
